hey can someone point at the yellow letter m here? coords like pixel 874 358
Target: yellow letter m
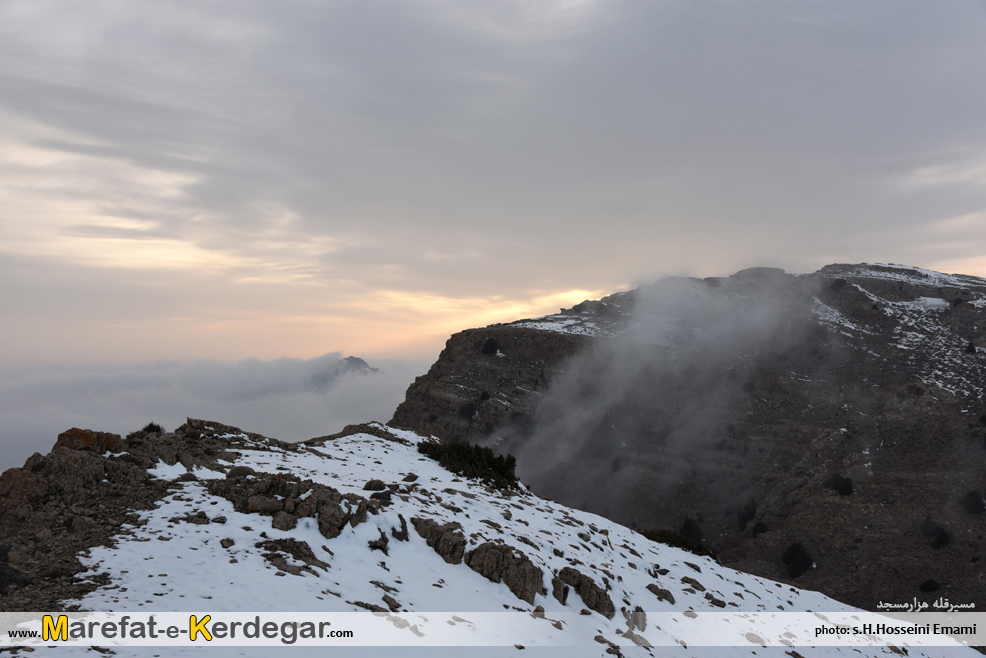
pixel 50 630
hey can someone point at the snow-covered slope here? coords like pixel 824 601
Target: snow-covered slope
pixel 195 551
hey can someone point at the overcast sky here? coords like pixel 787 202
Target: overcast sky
pixel 233 179
pixel 229 179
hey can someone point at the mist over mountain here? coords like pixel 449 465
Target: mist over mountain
pixel 841 412
pixel 291 399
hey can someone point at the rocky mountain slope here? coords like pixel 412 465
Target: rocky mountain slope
pixel 212 517
pixel 837 415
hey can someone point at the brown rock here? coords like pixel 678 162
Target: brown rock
pixel 559 590
pixel 400 535
pixel 447 540
pixel 381 543
pixel 263 504
pixel 688 580
pixel 298 550
pixel 239 471
pixel 98 442
pixel 258 494
pixel 284 521
pixel 592 595
pixel 502 563
pixel 661 593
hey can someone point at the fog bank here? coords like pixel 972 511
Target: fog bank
pixel 289 399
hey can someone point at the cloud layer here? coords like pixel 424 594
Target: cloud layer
pixel 288 399
pixel 224 179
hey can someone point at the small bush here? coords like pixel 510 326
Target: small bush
pixel 691 529
pixel 840 484
pixel 678 540
pixel 973 502
pixel 797 560
pixel 941 540
pixel 153 428
pixel 472 461
pixel 747 513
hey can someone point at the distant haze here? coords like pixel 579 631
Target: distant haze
pixel 288 399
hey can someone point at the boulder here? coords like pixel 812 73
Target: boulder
pixel 506 564
pixel 98 442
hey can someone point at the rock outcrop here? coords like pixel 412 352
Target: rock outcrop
pixel 472 388
pixel 506 564
pixel 81 494
pixel 594 596
pixel 447 539
pixel 287 499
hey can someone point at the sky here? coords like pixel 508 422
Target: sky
pixel 223 180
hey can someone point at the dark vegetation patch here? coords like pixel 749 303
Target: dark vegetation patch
pixel 468 410
pixel 149 428
pixel 841 484
pixel 973 502
pixel 747 513
pixel 796 560
pixel 936 535
pixel 691 529
pixel 472 461
pixel 678 540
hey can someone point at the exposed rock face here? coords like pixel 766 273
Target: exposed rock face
pixel 468 392
pixel 861 417
pixel 447 540
pixel 280 496
pixel 594 596
pixel 281 549
pixel 98 442
pixel 62 503
pixel 661 593
pixel 506 564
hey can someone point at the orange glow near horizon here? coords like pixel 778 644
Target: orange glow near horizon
pixel 384 325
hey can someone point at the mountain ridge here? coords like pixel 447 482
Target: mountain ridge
pixel 295 527
pixel 864 378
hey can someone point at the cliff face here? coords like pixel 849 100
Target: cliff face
pixel 483 378
pixel 490 377
pixel 842 411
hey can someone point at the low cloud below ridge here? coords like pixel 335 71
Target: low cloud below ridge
pixel 288 399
